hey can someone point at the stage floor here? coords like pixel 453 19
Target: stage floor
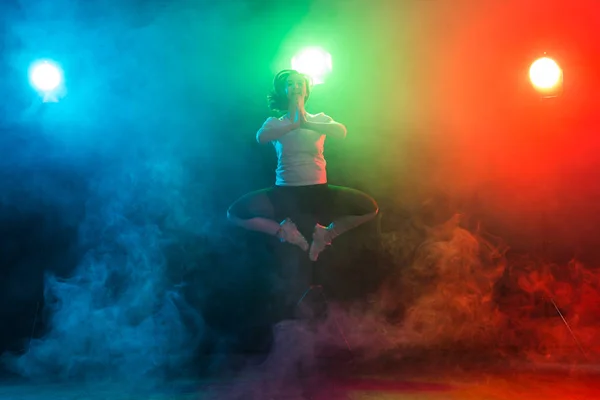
pixel 556 384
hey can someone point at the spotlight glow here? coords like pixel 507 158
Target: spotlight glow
pixel 545 73
pixel 45 76
pixel 314 62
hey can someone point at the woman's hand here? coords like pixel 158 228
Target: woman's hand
pixel 299 119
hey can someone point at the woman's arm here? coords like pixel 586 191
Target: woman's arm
pixel 269 133
pixel 332 128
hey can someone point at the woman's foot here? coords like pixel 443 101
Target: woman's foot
pixel 321 239
pixel 288 232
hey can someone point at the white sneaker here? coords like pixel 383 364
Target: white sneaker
pixel 320 242
pixel 290 233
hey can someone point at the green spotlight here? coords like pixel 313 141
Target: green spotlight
pixel 314 62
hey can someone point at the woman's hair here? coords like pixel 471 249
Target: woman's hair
pixel 278 100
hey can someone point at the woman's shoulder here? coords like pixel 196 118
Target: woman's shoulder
pixel 320 117
pixel 276 117
pixel 273 120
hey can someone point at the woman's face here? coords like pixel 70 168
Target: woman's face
pixel 296 87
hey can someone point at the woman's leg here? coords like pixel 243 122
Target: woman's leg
pixel 257 224
pixel 255 211
pixel 354 207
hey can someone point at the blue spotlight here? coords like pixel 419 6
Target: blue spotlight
pixel 46 77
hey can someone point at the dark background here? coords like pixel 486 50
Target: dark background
pixel 120 188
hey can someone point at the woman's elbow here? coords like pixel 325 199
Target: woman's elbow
pixel 265 136
pixel 260 137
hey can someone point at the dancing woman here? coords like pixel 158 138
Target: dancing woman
pixel 301 176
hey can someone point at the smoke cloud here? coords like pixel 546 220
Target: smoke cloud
pixel 125 181
pixel 120 161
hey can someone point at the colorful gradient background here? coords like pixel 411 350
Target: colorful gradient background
pixel 437 98
pixel 113 200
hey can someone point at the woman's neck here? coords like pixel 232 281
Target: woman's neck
pixel 293 105
pixel 293 108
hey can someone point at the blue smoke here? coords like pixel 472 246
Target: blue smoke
pixel 136 135
pixel 118 312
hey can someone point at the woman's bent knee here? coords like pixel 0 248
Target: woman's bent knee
pixel 232 217
pixel 375 206
pixel 370 204
pixel 252 205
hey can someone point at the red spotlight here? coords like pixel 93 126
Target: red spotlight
pixel 546 77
